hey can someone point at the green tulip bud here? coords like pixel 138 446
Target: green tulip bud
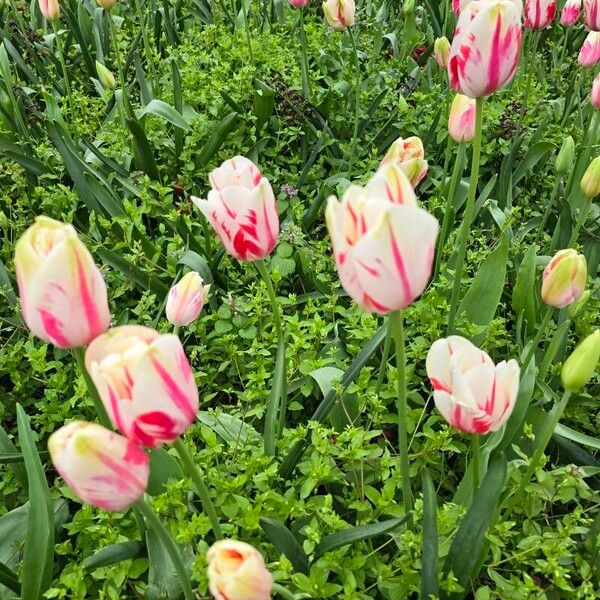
pixel 590 182
pixel 566 157
pixel 106 78
pixel 577 307
pixel 580 367
pixel 409 7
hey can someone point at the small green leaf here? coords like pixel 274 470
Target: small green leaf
pixel 285 543
pixel 231 429
pixel 429 557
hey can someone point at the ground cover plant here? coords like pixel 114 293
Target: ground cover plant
pixel 299 300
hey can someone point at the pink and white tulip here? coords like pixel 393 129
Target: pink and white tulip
pixel 485 51
pixel 50 9
pixel 409 155
pixel 383 242
pixel 470 392
pixel 591 14
pixel 441 51
pixel 103 468
pixel 339 14
pixel 570 12
pixel 242 209
pixel 563 280
pixel 237 571
pixel 62 292
pixel 461 122
pixel 595 93
pixel 186 299
pixel 145 382
pixel 539 14
pixel 299 3
pixel 589 55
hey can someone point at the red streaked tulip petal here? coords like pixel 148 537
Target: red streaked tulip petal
pixel 392 183
pixel 339 14
pixel 595 93
pixel 539 14
pixel 461 122
pixel 589 55
pixel 570 12
pixel 591 14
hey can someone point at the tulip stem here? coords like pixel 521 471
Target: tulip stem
pixel 91 386
pixel 550 205
pixel 63 65
pixel 356 101
pixel 302 34
pixel 536 339
pixel 468 214
pixel 475 462
pixel 282 592
pixel 113 35
pixel 199 486
pixel 384 359
pixel 146 40
pixel 167 541
pixel 396 324
pixel 247 28
pixel 276 407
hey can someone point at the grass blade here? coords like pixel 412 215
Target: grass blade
pixel 429 558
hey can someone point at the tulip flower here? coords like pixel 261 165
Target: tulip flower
pixel 62 292
pixel 470 392
pixel 589 55
pixel 539 13
pixel 50 9
pixel 103 468
pixel 236 571
pixel 461 122
pixel 563 280
pixel 339 14
pixel 409 155
pixel 580 367
pixel 145 382
pixel 570 12
pixel 458 5
pixel 106 4
pixel 591 14
pixel 299 3
pixel 383 242
pixel 590 182
pixel 186 299
pixel 484 55
pixel 595 93
pixel 242 210
pixel 441 51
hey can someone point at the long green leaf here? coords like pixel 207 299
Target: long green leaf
pixel 144 156
pixel 220 132
pixel 112 554
pixel 7 447
pixel 523 297
pixel 285 543
pixel 429 556
pixel 158 108
pixel 9 579
pixel 576 436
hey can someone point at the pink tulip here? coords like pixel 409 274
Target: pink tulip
pixel 242 210
pixel 570 12
pixel 339 14
pixel 145 382
pixel 539 13
pixel 461 122
pixel 591 14
pixel 236 571
pixel 50 9
pixel 563 280
pixel 186 299
pixel 383 242
pixel 469 391
pixel 486 47
pixel 62 292
pixel 589 55
pixel 299 3
pixel 409 155
pixel 101 467
pixel 441 51
pixel 595 93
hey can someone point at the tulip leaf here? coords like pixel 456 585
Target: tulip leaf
pixel 7 447
pixel 355 534
pixel 468 543
pixel 158 108
pixel 285 543
pixel 163 467
pixel 38 555
pixel 231 429
pixel 144 156
pixel 9 579
pixel 197 263
pixel 220 132
pixel 533 156
pixel 523 298
pixel 576 436
pixel 112 554
pixel 429 555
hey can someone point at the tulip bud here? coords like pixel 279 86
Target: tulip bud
pixel 461 122
pixel 62 292
pixel 591 14
pixel 145 382
pixel 50 9
pixel 186 299
pixel 101 467
pixel 409 155
pixel 579 305
pixel 590 182
pixel 106 4
pixel 339 13
pixel 539 13
pixel 299 3
pixel 563 280
pixel 565 157
pixel 441 51
pixel 236 571
pixel 595 93
pixel 580 367
pixel 408 7
pixel 570 12
pixel 589 55
pixel 106 78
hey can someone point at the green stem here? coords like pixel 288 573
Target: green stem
pixel 167 541
pixel 63 65
pixel 302 33
pixel 468 214
pixel 248 34
pixel 356 101
pixel 146 40
pixel 384 359
pixel 121 70
pixel 396 324
pixel 283 592
pixel 551 351
pixel 274 419
pixel 550 205
pixel 199 486
pixel 536 339
pixel 475 462
pixel 93 392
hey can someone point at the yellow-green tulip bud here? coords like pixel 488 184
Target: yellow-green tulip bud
pixel 580 367
pixel 106 78
pixel 566 157
pixel 590 182
pixel 564 278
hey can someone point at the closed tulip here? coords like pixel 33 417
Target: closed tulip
pixel 339 14
pixel 539 13
pixel 236 571
pixel 590 182
pixel 299 3
pixel 461 122
pixel 242 209
pixel 103 468
pixel 106 4
pixel 145 382
pixel 595 93
pixel 566 156
pixel 591 14
pixel 383 242
pixel 186 299
pixel 484 55
pixel 580 367
pixel 563 280
pixel 470 392
pixel 441 51
pixel 409 155
pixel 62 292
pixel 589 55
pixel 106 78
pixel 570 12
pixel 50 9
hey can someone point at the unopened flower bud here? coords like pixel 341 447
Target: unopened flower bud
pixel 590 182
pixel 565 157
pixel 106 78
pixel 564 278
pixel 580 367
